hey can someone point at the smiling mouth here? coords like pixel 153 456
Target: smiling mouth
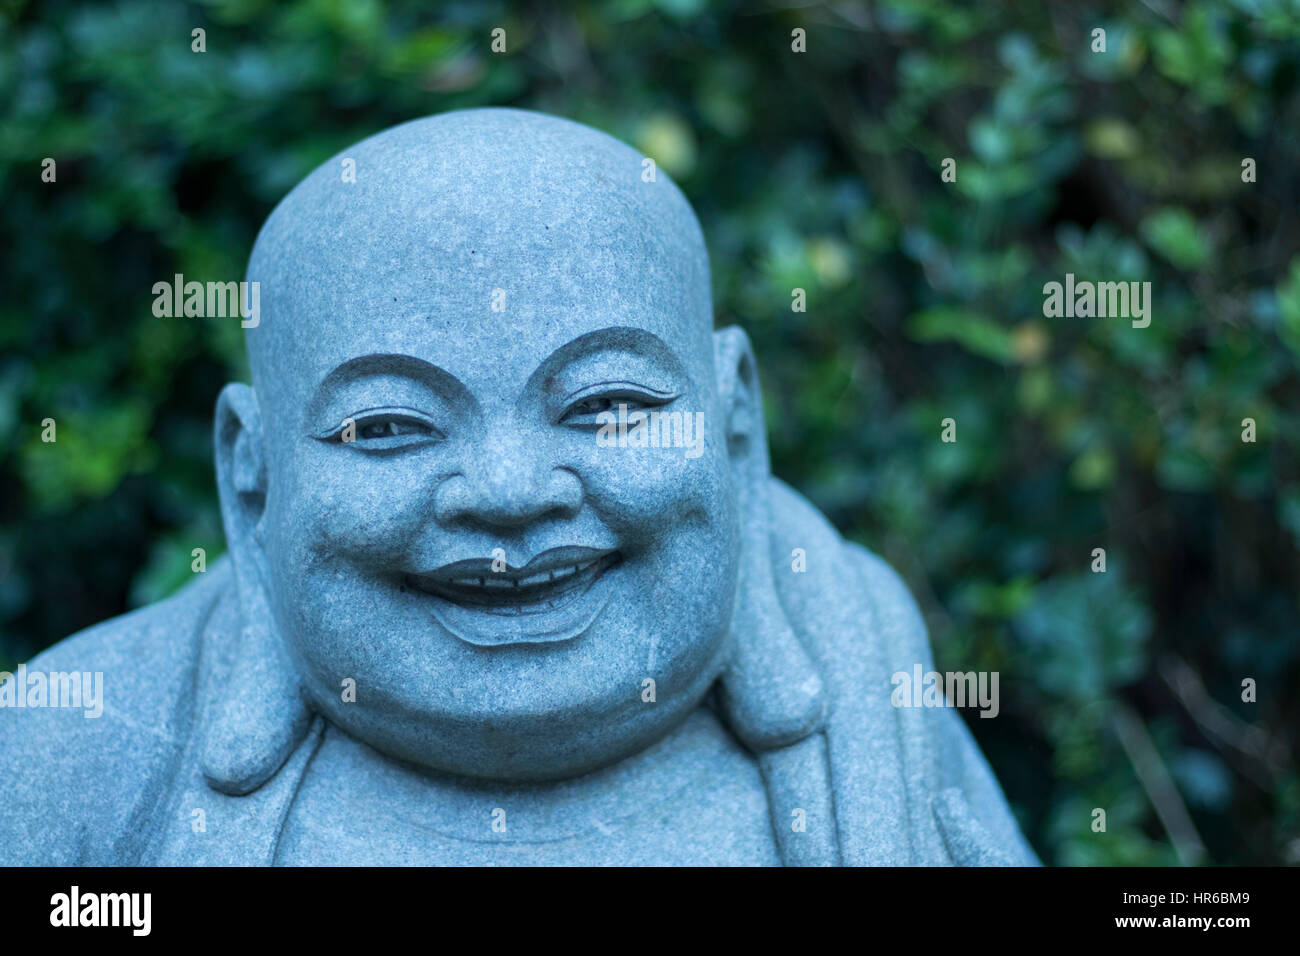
pixel 540 585
pixel 544 601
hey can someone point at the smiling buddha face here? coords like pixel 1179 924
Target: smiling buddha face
pixel 432 515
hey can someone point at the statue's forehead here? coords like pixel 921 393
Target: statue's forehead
pixel 486 233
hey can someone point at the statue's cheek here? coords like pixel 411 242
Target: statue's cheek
pixel 360 506
pixel 652 486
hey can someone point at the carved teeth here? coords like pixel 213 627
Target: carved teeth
pixel 511 592
pixel 541 577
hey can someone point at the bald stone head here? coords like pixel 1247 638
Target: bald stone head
pixel 491 467
pixel 554 217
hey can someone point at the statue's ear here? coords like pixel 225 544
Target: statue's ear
pixel 260 716
pixel 771 691
pixel 742 403
pixel 241 472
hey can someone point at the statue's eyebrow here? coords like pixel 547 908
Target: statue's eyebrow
pixel 437 380
pixel 620 338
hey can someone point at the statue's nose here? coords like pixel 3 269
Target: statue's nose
pixel 507 483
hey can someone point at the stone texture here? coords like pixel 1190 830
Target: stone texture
pixel 459 622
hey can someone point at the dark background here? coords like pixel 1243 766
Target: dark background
pixel 820 171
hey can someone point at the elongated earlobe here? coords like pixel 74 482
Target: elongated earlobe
pixel 258 719
pixel 260 714
pixel 770 691
pixel 773 699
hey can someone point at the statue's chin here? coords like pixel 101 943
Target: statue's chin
pixel 543 747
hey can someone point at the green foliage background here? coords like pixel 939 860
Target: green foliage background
pixel 821 171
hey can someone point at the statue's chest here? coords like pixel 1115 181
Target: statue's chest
pixel 700 801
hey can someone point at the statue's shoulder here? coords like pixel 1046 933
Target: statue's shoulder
pixel 812 562
pixel 852 610
pixel 926 784
pixel 80 778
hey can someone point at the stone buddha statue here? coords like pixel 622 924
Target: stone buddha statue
pixel 509 580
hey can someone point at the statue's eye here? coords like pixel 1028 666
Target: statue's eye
pixel 384 429
pixel 388 428
pixel 591 406
pixel 587 407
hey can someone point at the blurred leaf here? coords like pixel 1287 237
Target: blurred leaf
pixel 975 333
pixel 1174 233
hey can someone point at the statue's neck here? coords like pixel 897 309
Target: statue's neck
pixel 463 809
